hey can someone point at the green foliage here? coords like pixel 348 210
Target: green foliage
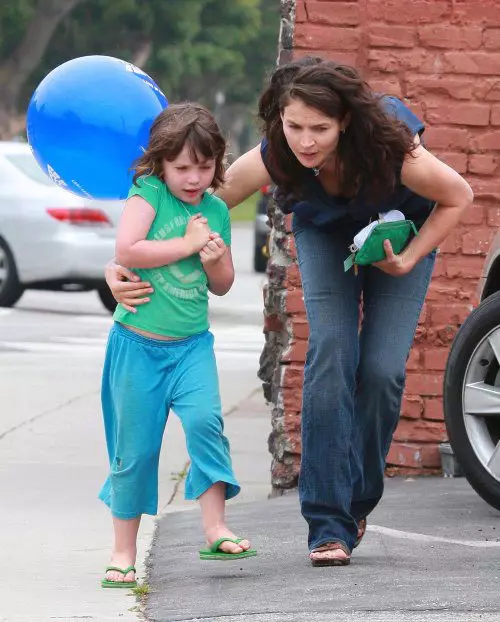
pixel 14 17
pixel 197 48
pixel 245 212
pixel 213 51
pixel 141 591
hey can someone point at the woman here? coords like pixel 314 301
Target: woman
pixel 339 155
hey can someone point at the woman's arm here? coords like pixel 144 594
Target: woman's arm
pixel 243 178
pixel 134 251
pixel 430 178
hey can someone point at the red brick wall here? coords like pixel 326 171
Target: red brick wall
pixel 443 58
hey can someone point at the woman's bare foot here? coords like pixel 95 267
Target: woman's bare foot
pixel 123 560
pixel 215 533
pixel 330 554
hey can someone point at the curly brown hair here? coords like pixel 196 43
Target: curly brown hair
pixel 178 125
pixel 370 151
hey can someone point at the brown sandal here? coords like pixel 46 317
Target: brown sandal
pixel 361 532
pixel 331 561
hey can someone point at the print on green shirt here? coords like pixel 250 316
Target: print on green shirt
pixel 179 304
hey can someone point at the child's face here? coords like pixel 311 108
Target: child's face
pixel 187 179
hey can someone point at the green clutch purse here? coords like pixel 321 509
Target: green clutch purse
pixel 397 232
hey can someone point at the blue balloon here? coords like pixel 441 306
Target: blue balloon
pixel 87 122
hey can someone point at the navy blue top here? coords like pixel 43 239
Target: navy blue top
pixel 318 208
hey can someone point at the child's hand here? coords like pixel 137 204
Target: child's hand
pixel 213 250
pixel 197 233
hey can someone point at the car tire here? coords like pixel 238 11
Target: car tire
pixel 259 260
pixel 11 289
pixel 465 356
pixel 106 298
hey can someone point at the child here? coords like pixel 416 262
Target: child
pixel 176 236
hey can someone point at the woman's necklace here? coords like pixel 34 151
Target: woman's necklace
pixel 317 169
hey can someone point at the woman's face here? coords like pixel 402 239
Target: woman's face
pixel 311 135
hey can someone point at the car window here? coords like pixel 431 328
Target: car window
pixel 27 164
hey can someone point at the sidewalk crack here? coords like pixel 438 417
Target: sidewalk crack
pixel 45 413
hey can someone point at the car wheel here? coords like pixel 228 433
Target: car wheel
pixel 10 287
pixel 259 259
pixel 472 399
pixel 107 299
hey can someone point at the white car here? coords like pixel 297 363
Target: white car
pixel 50 238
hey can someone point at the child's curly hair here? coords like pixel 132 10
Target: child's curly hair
pixel 178 125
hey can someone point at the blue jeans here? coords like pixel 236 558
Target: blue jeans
pixel 353 380
pixel 142 380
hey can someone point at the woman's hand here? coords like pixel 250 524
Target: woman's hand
pixel 126 287
pixel 395 265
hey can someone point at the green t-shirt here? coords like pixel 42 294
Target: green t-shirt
pixel 179 305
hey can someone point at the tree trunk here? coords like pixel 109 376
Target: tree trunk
pixel 15 70
pixel 233 119
pixel 142 54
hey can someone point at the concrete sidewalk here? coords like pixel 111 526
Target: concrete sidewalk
pixel 55 536
pixel 432 553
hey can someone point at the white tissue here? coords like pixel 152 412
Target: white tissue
pixel 392 216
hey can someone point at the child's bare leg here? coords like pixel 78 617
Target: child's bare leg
pixel 213 503
pixel 125 549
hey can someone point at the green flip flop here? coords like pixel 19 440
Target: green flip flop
pixel 120 584
pixel 213 553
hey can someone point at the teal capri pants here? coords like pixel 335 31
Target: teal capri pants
pixel 143 379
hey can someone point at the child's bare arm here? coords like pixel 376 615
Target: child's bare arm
pixel 217 262
pixel 134 251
